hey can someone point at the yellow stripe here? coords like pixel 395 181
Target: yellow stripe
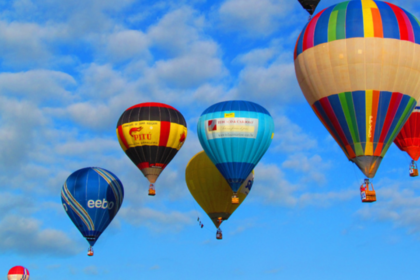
pixel 369 128
pixel 141 133
pixel 175 135
pixel 367 5
pixel 121 143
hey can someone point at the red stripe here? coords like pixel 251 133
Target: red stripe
pixel 17 270
pixel 165 129
pixel 401 22
pixel 152 104
pixel 308 39
pixel 295 52
pixel 392 110
pixel 143 165
pixel 122 137
pixel 325 103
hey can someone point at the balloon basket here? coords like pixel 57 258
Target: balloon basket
pixel 90 252
pixel 414 173
pixel 219 235
pixel 367 195
pixel 152 191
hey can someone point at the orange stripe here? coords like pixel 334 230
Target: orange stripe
pixel 377 23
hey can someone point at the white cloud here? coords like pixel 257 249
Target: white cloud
pixel 156 220
pixel 25 236
pixel 290 137
pixel 257 17
pixel 311 168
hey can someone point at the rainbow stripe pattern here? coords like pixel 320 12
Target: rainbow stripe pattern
pixel 359 18
pixel 364 123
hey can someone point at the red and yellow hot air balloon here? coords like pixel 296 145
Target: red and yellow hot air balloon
pixel 358 65
pixel 18 273
pixel 408 140
pixel 151 134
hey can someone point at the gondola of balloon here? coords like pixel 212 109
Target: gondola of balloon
pixel 357 64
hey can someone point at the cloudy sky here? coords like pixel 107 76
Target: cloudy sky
pixel 68 69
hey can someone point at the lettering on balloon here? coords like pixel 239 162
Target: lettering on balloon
pixel 370 126
pixel 232 127
pixel 104 204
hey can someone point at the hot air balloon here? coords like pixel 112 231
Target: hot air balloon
pixel 151 134
pixel 309 6
pixel 211 191
pixel 92 197
pixel 18 273
pixel 235 135
pixel 408 140
pixel 358 65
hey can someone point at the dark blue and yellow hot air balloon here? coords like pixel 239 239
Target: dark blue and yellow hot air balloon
pixel 91 198
pixel 358 65
pixel 235 135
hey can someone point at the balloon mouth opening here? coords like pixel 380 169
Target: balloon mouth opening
pixel 368 164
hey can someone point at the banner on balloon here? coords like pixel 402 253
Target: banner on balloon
pixel 232 127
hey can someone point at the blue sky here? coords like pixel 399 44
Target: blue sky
pixel 68 69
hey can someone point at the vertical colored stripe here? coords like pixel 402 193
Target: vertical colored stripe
pixel 351 122
pixel 392 110
pixel 401 22
pixel 375 104
pixel 415 25
pixel 165 128
pixel 367 6
pixel 409 26
pixel 325 103
pixel 405 115
pixel 369 122
pixel 377 23
pixel 359 99
pixel 320 36
pixel 308 40
pixel 354 20
pixel 341 20
pixel 122 137
pixel 389 21
pixel 339 113
pixel 332 26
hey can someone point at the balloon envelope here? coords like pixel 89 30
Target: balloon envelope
pixel 151 134
pixel 210 189
pixel 235 135
pixel 309 5
pixel 408 140
pixel 91 198
pixel 18 273
pixel 358 65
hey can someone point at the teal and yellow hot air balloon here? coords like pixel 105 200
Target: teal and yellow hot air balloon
pixel 235 135
pixel 358 65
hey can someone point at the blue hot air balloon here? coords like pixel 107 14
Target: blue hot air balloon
pixel 235 135
pixel 92 197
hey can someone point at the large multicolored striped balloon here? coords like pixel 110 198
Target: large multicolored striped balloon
pixel 235 135
pixel 358 65
pixel 91 198
pixel 18 273
pixel 151 134
pixel 408 140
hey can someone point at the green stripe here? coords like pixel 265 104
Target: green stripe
pixel 406 114
pixel 332 26
pixel 341 20
pixel 346 100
